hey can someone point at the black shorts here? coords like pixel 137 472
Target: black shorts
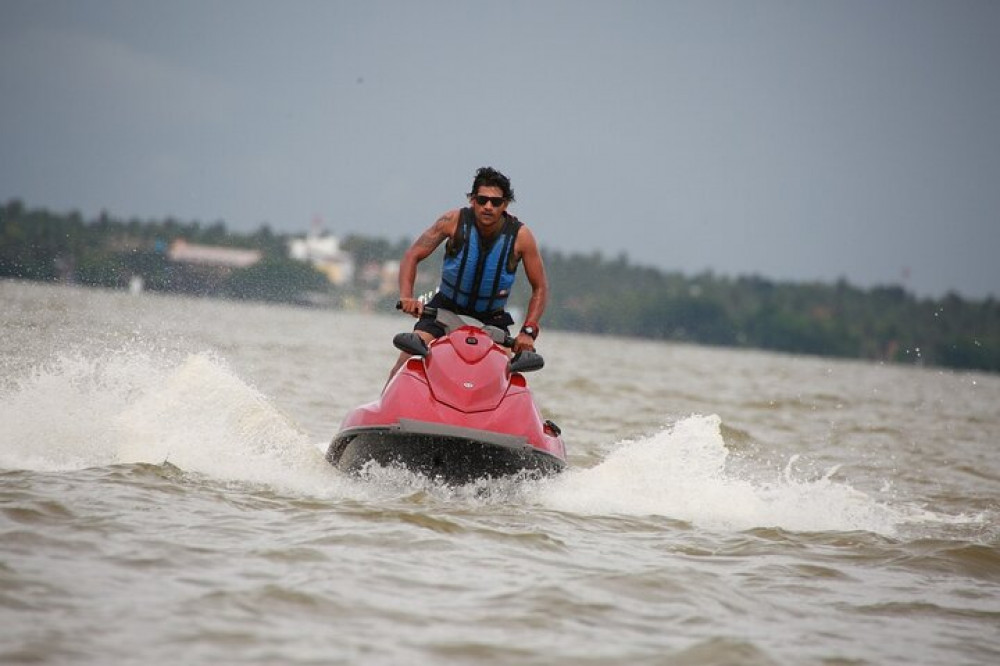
pixel 498 318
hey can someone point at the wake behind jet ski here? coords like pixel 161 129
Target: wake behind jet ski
pixel 458 410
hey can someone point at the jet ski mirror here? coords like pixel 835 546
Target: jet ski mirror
pixel 526 361
pixel 411 343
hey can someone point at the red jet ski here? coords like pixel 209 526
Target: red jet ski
pixel 458 410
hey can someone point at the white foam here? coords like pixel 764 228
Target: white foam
pixel 681 473
pixel 57 418
pixel 204 418
pixel 137 407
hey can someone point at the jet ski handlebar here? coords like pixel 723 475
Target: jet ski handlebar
pixel 452 321
pixel 523 361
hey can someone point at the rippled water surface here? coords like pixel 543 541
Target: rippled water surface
pixel 165 500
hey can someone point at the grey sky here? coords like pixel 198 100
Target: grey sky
pixel 793 140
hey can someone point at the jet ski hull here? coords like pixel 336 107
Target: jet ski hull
pixel 444 453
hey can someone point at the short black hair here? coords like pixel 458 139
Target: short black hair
pixel 490 177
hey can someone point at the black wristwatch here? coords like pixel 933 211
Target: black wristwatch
pixel 530 330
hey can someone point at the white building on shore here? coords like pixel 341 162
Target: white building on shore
pixel 322 250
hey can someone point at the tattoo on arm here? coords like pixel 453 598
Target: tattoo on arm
pixel 433 236
pixel 429 238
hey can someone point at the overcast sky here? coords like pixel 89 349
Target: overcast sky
pixel 793 140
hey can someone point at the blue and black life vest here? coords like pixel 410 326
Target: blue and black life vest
pixel 478 274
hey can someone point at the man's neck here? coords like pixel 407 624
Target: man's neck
pixel 491 233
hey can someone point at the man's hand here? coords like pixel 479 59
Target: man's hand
pixel 411 306
pixel 523 341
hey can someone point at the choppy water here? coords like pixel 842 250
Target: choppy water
pixel 165 500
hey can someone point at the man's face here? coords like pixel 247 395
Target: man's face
pixel 488 204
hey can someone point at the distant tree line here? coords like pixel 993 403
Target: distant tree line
pixel 888 323
pixel 108 252
pixel 589 293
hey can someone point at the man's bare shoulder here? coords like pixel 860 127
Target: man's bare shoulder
pixel 446 225
pixel 525 239
pixel 449 219
pixel 443 227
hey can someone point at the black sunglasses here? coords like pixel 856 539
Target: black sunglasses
pixel 496 201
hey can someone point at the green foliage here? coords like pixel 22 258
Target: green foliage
pixel 587 292
pixel 275 279
pixel 592 294
pixel 106 252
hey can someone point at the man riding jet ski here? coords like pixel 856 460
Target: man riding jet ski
pixel 455 405
pixel 485 244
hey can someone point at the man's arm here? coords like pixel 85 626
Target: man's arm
pixel 422 248
pixel 534 270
